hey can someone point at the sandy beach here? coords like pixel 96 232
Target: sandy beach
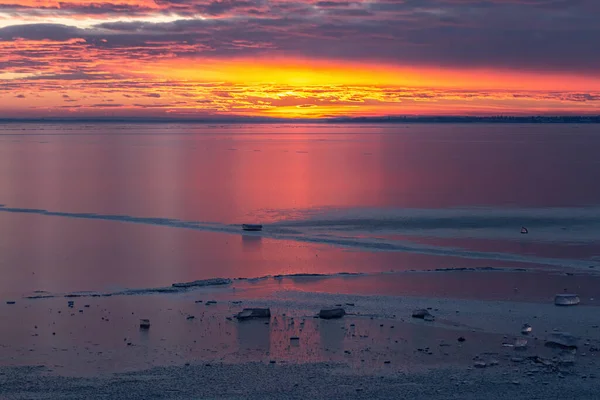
pixel 196 348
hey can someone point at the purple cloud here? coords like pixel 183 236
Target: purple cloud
pixel 555 35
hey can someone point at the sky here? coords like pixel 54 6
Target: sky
pixel 298 58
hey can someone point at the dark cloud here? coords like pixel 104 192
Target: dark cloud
pixel 224 6
pixel 557 35
pixel 39 32
pixel 74 76
pixel 332 4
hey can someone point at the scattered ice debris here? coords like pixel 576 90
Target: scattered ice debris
pixel 524 230
pixel 423 314
pixel 461 339
pixel 562 340
pixel 10 302
pixel 294 339
pixel 566 300
pixel 70 303
pixel 332 313
pixel 208 303
pixel 480 364
pixel 526 329
pixel 251 313
pixel 189 317
pixel 566 359
pixel 204 282
pixel 144 324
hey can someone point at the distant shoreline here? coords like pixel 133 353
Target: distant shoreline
pixel 592 119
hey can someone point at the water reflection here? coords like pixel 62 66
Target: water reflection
pixel 190 173
pixel 332 334
pixel 251 242
pixel 254 335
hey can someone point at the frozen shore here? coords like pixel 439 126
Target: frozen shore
pixel 195 348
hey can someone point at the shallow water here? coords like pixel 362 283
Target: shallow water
pixel 108 206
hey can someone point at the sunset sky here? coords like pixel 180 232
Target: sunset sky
pixel 298 58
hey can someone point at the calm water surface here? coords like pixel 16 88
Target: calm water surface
pixel 101 206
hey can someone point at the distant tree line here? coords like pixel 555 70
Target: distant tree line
pixel 568 119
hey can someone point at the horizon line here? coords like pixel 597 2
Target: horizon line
pixel 347 119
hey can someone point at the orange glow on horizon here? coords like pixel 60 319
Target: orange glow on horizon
pixel 302 72
pixel 283 88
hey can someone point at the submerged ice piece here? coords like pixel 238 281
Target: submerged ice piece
pixel 562 340
pixel 252 227
pixel 566 300
pixel 520 344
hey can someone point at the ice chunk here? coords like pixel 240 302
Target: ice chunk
pixel 332 313
pixel 204 282
pixel 566 300
pixel 251 313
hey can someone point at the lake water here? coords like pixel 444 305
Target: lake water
pixel 109 206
